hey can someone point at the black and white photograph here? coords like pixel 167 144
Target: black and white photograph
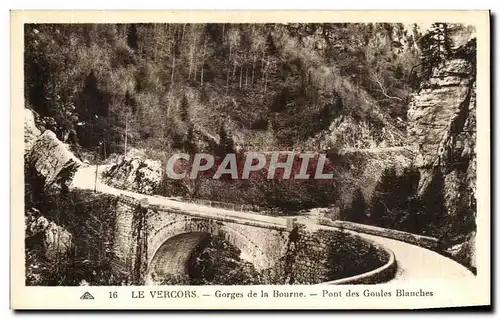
pixel 242 154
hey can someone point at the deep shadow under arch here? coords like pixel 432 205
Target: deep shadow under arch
pixel 171 259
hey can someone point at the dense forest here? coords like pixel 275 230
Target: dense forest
pixel 269 85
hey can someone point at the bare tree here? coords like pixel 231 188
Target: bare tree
pixel 192 62
pixel 203 60
pixel 246 77
pixel 253 68
pixel 173 65
pixel 223 27
pixel 241 74
pixel 384 92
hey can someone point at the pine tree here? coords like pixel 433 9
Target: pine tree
pixel 226 142
pixel 130 102
pixel 184 109
pixel 132 37
pixel 189 143
pixel 92 107
pixel 357 211
pixel 270 45
pixel 177 142
pixel 381 199
pixel 436 47
pixel 394 203
pixel 432 215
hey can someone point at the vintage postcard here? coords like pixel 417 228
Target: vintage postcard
pixel 250 160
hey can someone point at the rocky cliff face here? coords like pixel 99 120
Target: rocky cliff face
pixel 442 126
pixel 347 132
pixel 53 163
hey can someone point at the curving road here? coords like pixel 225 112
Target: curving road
pixel 417 263
pixel 414 263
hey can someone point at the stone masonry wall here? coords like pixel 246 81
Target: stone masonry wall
pixel 124 246
pixel 414 239
pixel 158 238
pixel 262 245
pixel 312 258
pixel 306 261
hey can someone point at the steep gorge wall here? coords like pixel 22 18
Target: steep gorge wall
pixel 442 126
pixel 305 257
pixel 442 122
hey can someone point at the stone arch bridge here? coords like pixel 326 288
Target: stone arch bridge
pixel 154 239
pixel 156 234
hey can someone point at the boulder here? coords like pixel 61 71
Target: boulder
pixel 57 241
pixel 52 159
pixel 135 174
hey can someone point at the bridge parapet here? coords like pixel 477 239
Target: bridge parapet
pixel 156 239
pixel 128 200
pixel 236 220
pixel 419 240
pixel 381 274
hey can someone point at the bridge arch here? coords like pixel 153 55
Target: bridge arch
pixel 171 246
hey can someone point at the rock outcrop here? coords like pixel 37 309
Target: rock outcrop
pixel 31 132
pixel 52 159
pixel 465 252
pixel 442 126
pixel 348 132
pixel 440 114
pixel 56 240
pixel 136 174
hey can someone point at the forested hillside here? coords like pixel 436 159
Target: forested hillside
pixel 269 85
